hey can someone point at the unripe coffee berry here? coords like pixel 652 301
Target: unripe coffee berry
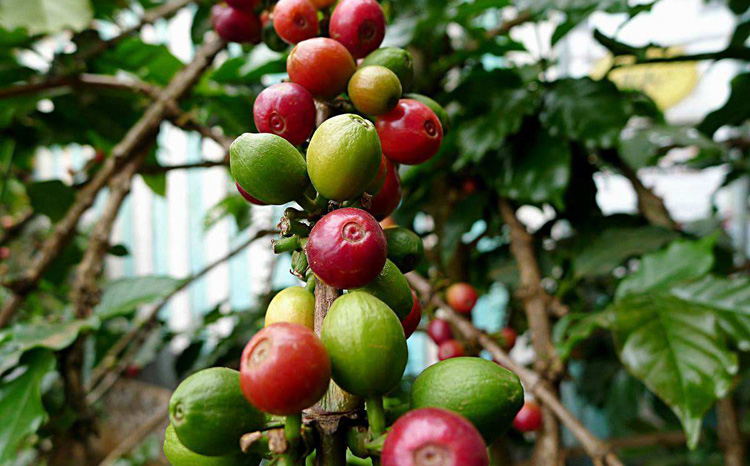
pixel 287 110
pixel 434 437
pixel 374 90
pixel 246 195
pixel 295 20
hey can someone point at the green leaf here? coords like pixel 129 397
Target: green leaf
pixel 123 296
pixel 45 16
pixel 643 147
pixel 29 336
pixel 538 173
pixel 149 62
pixel 677 350
pixel 234 206
pixel 730 301
pixel 575 328
pixel 21 407
pixel 611 247
pixel 465 213
pixel 52 198
pixel 681 260
pixel 157 182
pixel 468 10
pixel 734 111
pixel 119 250
pixel 249 69
pixel 575 109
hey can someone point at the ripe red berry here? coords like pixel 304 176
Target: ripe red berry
pixel 386 201
pixel 132 371
pixel 247 196
pixel 461 297
pixel 529 418
pixel 99 156
pixel 322 66
pixel 295 20
pixel 4 253
pixel 7 222
pixel 247 5
pixel 450 349
pixel 287 110
pixel 509 336
pixel 439 330
pixel 411 321
pixel 359 25
pixel 434 437
pixel 347 248
pixel 284 369
pixel 235 25
pixel 410 133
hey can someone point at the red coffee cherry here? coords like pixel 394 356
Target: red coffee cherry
pixel 322 66
pixel 284 369
pixel 410 133
pixel 287 110
pixel 247 196
pixel 434 437
pixel 529 418
pixel 461 297
pixel 440 331
pixel 4 253
pixel 411 321
pixel 347 248
pixel 450 349
pixel 359 25
pixel 389 197
pixel 509 336
pixel 235 25
pixel 247 5
pixel 295 20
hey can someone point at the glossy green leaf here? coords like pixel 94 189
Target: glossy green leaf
pixel 611 247
pixel 643 147
pixel 21 407
pixel 123 296
pixel 677 350
pixel 466 213
pixel 538 173
pixel 573 329
pixel 729 299
pixel 234 206
pixel 52 198
pixel 249 69
pixel 149 62
pixel 734 111
pixel 45 16
pixel 575 109
pixel 681 260
pixel 26 337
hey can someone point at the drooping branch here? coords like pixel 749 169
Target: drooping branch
pixel 137 437
pixel 599 451
pixel 155 169
pixel 547 449
pixel 141 132
pixel 109 367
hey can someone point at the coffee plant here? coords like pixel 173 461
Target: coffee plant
pixel 399 141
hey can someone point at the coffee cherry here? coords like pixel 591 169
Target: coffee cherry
pixel 461 297
pixel 322 66
pixel 529 418
pixel 411 322
pixel 320 4
pixel 294 305
pixel 389 197
pixel 410 133
pixel 388 222
pixel 509 338
pixel 347 248
pixel 397 60
pixel 247 196
pixel 374 90
pixel 247 5
pixel 450 349
pixel 235 25
pixel 439 330
pixel 284 369
pixel 287 110
pixel 132 371
pixel 295 20
pixel 4 253
pixel 359 25
pixel 434 437
pixel 377 183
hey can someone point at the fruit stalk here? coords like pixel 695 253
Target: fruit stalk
pixel 376 415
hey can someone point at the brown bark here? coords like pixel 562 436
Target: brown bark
pixel 730 437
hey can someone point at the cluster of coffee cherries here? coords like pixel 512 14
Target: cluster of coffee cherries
pixel 331 139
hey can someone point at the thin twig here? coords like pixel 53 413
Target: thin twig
pixel 547 449
pixel 144 129
pixel 155 169
pixel 108 361
pixel 137 437
pixel 533 382
pixel 730 437
pixel 12 231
